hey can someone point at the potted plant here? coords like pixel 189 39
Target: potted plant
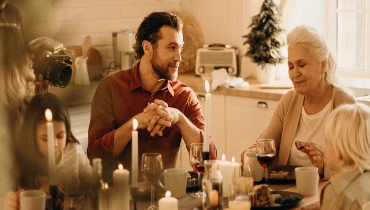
pixel 264 41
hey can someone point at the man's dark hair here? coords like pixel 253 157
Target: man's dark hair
pixel 149 29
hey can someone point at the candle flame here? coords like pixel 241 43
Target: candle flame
pixel 120 166
pixel 233 160
pixel 48 115
pixel 206 84
pixel 168 194
pixel 134 124
pixel 106 186
pixel 223 157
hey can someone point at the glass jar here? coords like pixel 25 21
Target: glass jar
pixel 212 186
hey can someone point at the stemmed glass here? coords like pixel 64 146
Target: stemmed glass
pixel 152 168
pixel 265 154
pixel 196 162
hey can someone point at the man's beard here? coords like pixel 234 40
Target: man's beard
pixel 162 69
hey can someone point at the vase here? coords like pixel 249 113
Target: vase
pixel 266 73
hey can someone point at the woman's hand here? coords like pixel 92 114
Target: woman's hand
pixel 315 154
pixel 41 85
pixel 11 201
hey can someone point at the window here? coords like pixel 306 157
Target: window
pixel 353 35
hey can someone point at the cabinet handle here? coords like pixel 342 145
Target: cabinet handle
pixel 262 104
pixel 201 97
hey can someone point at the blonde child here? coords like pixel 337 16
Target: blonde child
pixel 347 151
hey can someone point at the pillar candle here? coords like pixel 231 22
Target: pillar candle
pixel 207 123
pixel 235 167
pixel 134 159
pixel 121 188
pixel 51 145
pixel 168 202
pixel 225 169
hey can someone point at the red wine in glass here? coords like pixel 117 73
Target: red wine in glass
pixel 266 160
pixel 152 176
pixel 198 167
pixel 265 153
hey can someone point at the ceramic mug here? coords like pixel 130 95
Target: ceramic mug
pixel 175 180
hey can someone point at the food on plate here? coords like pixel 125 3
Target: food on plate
pixel 299 145
pixel 279 174
pixel 286 199
pixel 260 195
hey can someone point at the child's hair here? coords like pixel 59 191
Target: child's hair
pixel 31 161
pixel 348 131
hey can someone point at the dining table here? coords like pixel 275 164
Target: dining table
pixel 191 203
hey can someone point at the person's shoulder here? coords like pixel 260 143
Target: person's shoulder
pixel 342 94
pixel 73 148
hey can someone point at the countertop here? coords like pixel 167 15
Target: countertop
pixel 253 91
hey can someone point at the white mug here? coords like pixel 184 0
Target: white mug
pixel 175 180
pixel 32 200
pixel 307 180
pixel 256 168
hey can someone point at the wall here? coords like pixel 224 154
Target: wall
pixel 222 21
pixel 69 21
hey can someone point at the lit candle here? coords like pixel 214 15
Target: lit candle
pixel 207 125
pixel 168 202
pixel 104 197
pixel 134 154
pixel 225 168
pixel 51 145
pixel 121 188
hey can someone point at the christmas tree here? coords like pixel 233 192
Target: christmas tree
pixel 264 39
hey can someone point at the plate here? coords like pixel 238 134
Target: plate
pixel 295 199
pixel 281 174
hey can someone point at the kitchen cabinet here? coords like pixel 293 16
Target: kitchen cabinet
pixel 245 120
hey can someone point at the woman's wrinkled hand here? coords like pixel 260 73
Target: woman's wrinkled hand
pixel 315 154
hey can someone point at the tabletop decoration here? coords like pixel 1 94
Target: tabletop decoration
pixel 225 168
pixel 135 162
pixel 207 125
pixel 121 187
pixel 51 157
pixel 235 168
pixel 168 202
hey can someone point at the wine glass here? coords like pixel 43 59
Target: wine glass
pixel 265 154
pixel 196 162
pixel 152 168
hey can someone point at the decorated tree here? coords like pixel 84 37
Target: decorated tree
pixel 264 38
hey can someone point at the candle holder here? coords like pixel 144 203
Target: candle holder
pixel 54 195
pixel 134 195
pixel 205 156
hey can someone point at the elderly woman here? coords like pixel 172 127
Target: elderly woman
pixel 301 114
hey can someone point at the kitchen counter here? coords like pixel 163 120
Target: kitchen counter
pixel 253 91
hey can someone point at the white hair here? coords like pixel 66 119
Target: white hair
pixel 348 131
pixel 318 47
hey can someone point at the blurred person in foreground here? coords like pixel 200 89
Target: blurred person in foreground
pixel 17 88
pixel 166 109
pixel 347 151
pixel 9 14
pixel 302 112
pixel 73 170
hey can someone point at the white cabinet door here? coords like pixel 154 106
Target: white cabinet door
pixel 245 120
pixel 217 129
